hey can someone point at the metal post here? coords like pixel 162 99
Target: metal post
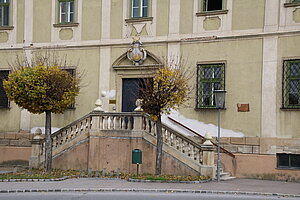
pixel 137 170
pixel 219 163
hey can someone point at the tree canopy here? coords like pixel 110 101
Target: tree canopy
pixel 167 90
pixel 42 88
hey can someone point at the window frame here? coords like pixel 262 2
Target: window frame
pixel 72 72
pixel 286 79
pixel 1 85
pixel 67 12
pixel 199 85
pixel 290 157
pixel 3 22
pixel 140 8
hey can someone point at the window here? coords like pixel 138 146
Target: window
pixel 291 84
pixel 290 161
pixel 211 5
pixel 4 103
pixel 139 8
pixel 4 12
pixel 210 77
pixel 72 72
pixel 66 11
pixel 295 1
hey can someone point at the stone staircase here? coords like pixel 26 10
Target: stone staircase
pixel 95 128
pixel 225 176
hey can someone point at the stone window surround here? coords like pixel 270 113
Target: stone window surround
pixel 202 12
pixel 288 4
pixel 8 103
pixel 224 63
pixel 283 106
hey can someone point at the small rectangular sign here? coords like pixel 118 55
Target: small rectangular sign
pixel 243 107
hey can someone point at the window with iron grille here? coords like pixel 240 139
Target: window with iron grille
pixel 72 72
pixel 291 84
pixel 66 11
pixel 288 161
pixel 139 8
pixel 210 77
pixel 4 103
pixel 211 5
pixel 4 12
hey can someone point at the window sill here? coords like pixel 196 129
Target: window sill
pixel 2 28
pixel 209 108
pixel 288 168
pixel 139 19
pixel 211 13
pixel 66 25
pixel 290 109
pixel 286 5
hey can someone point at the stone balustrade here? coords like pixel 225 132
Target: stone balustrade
pixel 139 122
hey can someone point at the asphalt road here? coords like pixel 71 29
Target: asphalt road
pixel 132 196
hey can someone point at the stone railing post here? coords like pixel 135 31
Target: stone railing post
pixel 36 150
pixel 208 157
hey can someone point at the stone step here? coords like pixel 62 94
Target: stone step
pixel 227 178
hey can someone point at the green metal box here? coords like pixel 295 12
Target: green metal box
pixel 136 156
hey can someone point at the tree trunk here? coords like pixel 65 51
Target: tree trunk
pixel 48 143
pixel 159 146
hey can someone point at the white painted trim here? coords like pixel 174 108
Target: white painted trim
pixel 174 17
pixel 154 13
pixel 53 14
pixel 271 15
pixel 106 8
pixel 269 83
pixel 174 51
pixel 126 27
pixel 104 75
pixel 13 33
pixel 195 18
pixel 77 30
pixel 25 115
pixel 28 22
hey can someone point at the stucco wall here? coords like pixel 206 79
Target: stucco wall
pixel 91 20
pixel 288 121
pixel 14 153
pixel 243 63
pixel 41 21
pixel 248 14
pixel 112 153
pixel 257 166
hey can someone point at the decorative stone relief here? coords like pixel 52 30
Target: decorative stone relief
pixel 296 15
pixel 3 37
pixel 136 53
pixel 66 34
pixel 138 28
pixel 211 23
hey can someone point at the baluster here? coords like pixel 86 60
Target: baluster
pixel 111 121
pixel 153 127
pixel 117 123
pixel 81 127
pixel 191 151
pixel 123 123
pixel 105 122
pixel 183 147
pixel 101 119
pixel 148 127
pixel 197 154
pixel 53 142
pixel 171 139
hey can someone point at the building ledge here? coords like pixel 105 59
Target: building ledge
pixel 66 25
pixel 2 28
pixel 286 5
pixel 211 13
pixel 140 19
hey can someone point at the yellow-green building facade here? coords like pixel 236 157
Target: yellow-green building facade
pixel 254 44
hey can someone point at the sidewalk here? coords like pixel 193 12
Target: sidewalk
pixel 239 186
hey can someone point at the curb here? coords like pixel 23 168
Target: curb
pixel 149 190
pixel 53 179
pixel 166 181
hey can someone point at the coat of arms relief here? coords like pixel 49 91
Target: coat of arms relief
pixel 136 53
